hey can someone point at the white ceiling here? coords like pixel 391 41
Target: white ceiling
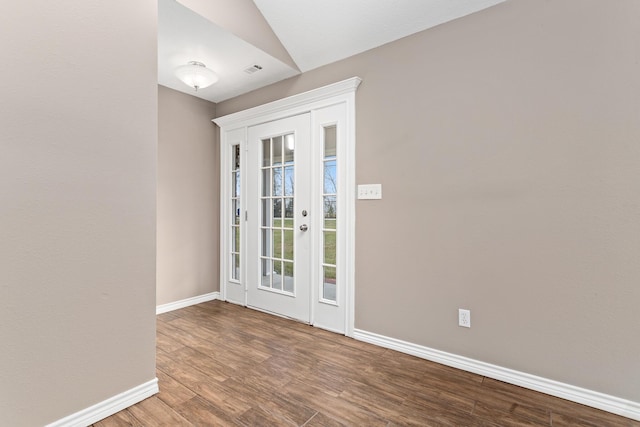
pixel 185 36
pixel 314 32
pixel 320 32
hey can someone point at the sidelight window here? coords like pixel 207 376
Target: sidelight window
pixel 330 208
pixel 235 214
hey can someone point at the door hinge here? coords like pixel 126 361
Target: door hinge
pixel 246 215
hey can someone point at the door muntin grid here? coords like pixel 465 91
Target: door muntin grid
pixel 328 291
pixel 277 214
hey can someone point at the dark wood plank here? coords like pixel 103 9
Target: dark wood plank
pixel 202 413
pixel 493 406
pixel 332 405
pixel 166 343
pixel 154 412
pixel 258 417
pixel 273 402
pixel 507 419
pixel 172 392
pixel 321 420
pixel 589 417
pixel 121 419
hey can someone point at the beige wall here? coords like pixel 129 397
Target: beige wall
pixel 188 193
pixel 78 130
pixel 507 144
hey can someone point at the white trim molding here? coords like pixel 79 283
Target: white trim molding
pixel 294 104
pixel 331 104
pixel 176 305
pixel 109 407
pixel 615 405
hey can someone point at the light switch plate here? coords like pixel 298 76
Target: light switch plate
pixel 370 191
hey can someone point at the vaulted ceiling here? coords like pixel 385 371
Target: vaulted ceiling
pixel 284 37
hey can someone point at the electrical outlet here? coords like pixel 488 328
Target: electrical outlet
pixel 464 318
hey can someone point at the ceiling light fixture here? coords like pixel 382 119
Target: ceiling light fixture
pixel 196 75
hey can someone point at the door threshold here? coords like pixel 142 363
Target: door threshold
pixel 273 313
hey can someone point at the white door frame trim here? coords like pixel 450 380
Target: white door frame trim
pixel 236 124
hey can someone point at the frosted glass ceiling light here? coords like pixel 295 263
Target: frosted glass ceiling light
pixel 196 75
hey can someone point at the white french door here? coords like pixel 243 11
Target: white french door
pixel 288 206
pixel 279 191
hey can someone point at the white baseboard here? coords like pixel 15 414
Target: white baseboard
pixel 615 405
pixel 187 302
pixel 109 407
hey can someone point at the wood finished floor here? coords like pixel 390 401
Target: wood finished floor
pixel 221 364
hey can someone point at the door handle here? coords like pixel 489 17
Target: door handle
pixel 304 227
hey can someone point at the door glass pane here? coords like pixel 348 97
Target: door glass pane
pixel 288 181
pixel 266 212
pixel 330 209
pixel 235 161
pixel 266 180
pixel 288 245
pixel 235 184
pixel 277 212
pixel 329 247
pixel 277 181
pixel 235 203
pixel 288 277
pixel 288 148
pixel 330 181
pixel 329 284
pixel 276 147
pixel 330 223
pixel 266 243
pixel 277 243
pixel 235 264
pixel 235 239
pixel 265 272
pixel 330 141
pixel 266 152
pixel 288 212
pixel 277 275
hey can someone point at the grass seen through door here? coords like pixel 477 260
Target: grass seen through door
pixel 329 244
